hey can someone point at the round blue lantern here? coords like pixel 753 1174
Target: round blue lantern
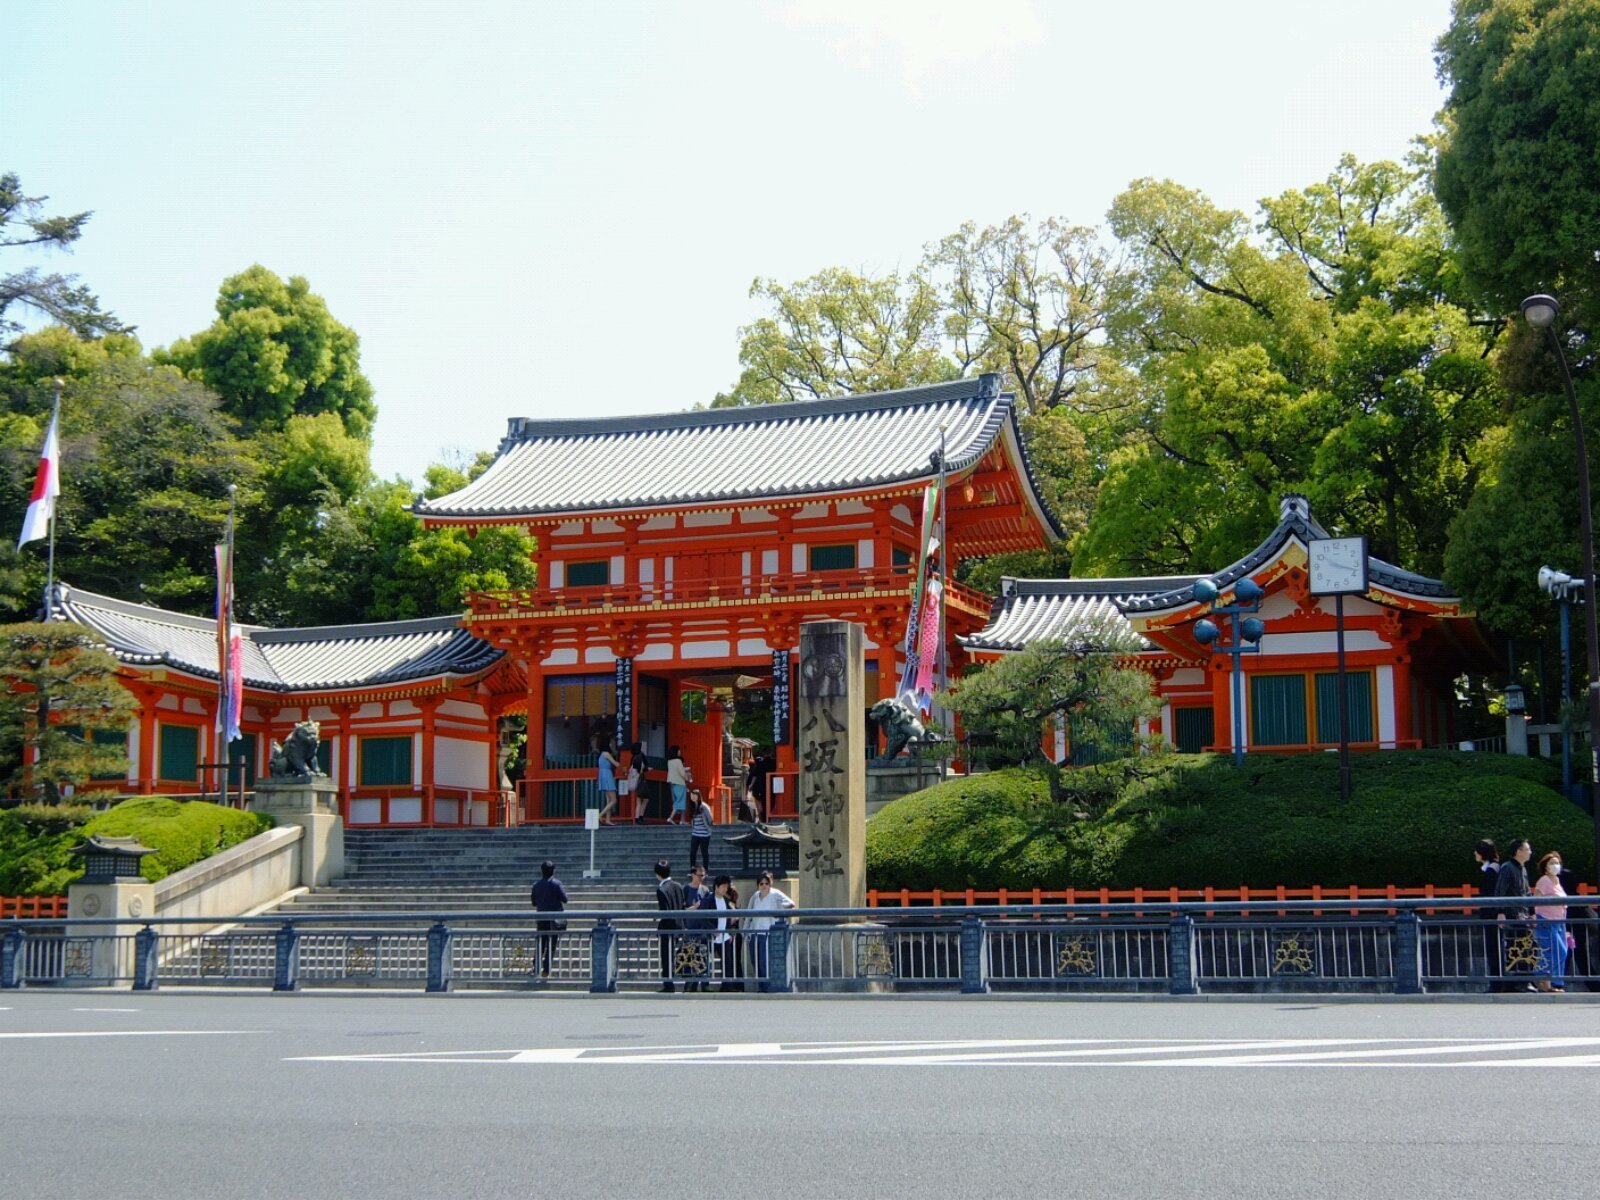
pixel 1206 631
pixel 1247 591
pixel 1204 591
pixel 1251 629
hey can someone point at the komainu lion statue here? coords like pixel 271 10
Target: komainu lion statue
pixel 900 726
pixel 296 758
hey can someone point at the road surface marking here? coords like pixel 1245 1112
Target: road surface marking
pixel 105 1010
pixel 98 1033
pixel 1042 1052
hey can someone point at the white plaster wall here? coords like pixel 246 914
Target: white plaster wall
pixel 660 523
pixel 1320 643
pixel 404 708
pixel 167 701
pixel 704 649
pixel 1384 681
pixel 405 809
pixel 369 712
pixel 619 569
pixel 604 526
pixel 850 508
pixel 754 646
pixel 655 652
pixel 133 751
pixel 598 654
pixel 812 512
pixel 365 811
pixel 769 562
pixel 864 552
pixel 461 708
pixel 757 516
pixel 459 763
pixel 1187 677
pixel 561 658
pixel 239 880
pixel 797 558
pixel 558 573
pixel 569 529
pixel 701 520
pixel 647 570
pixel 901 513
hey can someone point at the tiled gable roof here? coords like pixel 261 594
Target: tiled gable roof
pixel 1031 610
pixel 570 465
pixel 281 660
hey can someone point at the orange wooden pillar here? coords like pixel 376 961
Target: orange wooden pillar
pixel 533 749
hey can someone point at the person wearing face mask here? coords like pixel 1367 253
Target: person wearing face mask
pixel 1551 926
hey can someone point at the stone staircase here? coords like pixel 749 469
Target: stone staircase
pixel 491 871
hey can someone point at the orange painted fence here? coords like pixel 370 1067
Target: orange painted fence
pixel 906 898
pixel 33 906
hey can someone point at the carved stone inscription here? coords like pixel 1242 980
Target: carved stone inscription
pixel 830 740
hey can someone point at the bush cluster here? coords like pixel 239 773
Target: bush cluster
pixel 1196 820
pixel 36 841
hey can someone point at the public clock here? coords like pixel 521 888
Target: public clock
pixel 1338 566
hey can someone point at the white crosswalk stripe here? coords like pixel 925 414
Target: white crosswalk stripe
pixel 1048 1052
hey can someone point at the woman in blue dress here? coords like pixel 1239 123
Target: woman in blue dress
pixel 606 780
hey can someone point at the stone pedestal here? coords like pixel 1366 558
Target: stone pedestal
pixel 888 783
pixel 312 804
pixel 833 769
pixel 102 953
pixel 1517 733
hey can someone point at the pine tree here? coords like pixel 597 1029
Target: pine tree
pixel 62 692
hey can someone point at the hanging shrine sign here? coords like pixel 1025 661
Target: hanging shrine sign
pixel 624 702
pixel 780 698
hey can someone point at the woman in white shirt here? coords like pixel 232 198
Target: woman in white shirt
pixel 678 777
pixel 766 899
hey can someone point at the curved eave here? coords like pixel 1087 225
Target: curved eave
pixel 202 680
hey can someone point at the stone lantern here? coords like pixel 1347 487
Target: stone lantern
pixel 112 888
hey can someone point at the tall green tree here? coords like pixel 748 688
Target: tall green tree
pixel 1030 302
pixel 147 460
pixel 63 702
pixel 61 298
pixel 1519 156
pixel 837 333
pixel 275 352
pixel 1326 350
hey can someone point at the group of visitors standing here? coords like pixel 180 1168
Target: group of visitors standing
pixel 615 785
pixel 1509 880
pixel 726 939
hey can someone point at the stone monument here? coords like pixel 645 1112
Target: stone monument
pixel 296 792
pixel 833 768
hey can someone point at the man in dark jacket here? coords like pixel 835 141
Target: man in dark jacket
pixel 1515 934
pixel 669 898
pixel 548 897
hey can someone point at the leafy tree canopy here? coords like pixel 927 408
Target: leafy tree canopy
pixel 1519 160
pixel 1326 351
pixel 275 352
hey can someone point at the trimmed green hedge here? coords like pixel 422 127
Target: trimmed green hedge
pixel 36 850
pixel 1200 821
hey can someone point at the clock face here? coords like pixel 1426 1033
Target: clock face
pixel 1338 566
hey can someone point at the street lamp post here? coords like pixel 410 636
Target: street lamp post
pixel 1541 312
pixel 1244 637
pixel 1566 591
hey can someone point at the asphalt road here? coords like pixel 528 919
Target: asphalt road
pixel 250 1095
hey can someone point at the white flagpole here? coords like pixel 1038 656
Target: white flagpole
pixel 50 569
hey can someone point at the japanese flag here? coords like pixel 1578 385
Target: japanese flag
pixel 46 487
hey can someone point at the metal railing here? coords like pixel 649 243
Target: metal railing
pixel 1401 946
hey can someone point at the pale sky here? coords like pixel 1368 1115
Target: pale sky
pixel 557 209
